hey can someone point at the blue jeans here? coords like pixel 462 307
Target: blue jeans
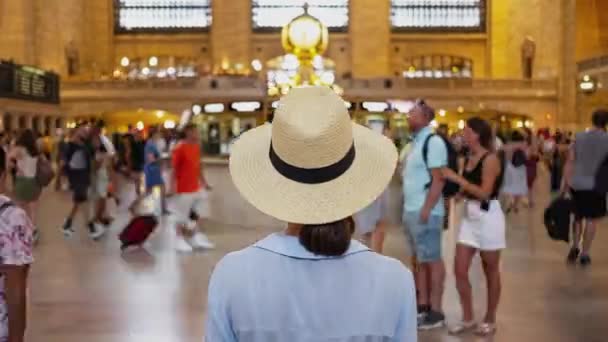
pixel 425 239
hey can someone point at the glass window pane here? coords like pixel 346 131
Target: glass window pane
pixel 162 15
pixel 438 15
pixel 274 14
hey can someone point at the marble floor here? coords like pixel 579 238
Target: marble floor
pixel 84 291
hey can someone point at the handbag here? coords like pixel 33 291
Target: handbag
pixel 44 172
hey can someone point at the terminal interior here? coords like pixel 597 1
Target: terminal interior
pixel 223 65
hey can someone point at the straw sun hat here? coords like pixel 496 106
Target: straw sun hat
pixel 312 165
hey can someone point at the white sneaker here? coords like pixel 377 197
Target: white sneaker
pixel 96 230
pixel 181 245
pixel 200 240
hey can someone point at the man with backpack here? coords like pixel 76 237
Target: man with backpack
pixel 423 186
pixel 78 167
pixel 584 173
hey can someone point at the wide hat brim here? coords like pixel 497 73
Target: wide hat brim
pixel 273 194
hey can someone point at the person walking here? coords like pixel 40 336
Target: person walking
pixel 532 159
pixel 16 257
pixel 515 185
pixel 103 156
pixel 311 168
pixel 482 228
pixel 24 159
pixel 589 151
pixel 152 170
pixel 79 165
pixel 60 152
pixel 191 192
pixel 424 213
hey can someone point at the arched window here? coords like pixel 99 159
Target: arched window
pixel 135 16
pixel 438 15
pixel 272 15
pixel 437 66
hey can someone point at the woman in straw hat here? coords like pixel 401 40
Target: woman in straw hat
pixel 311 168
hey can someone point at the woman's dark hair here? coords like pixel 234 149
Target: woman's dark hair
pixel 153 130
pixel 516 136
pixel 329 239
pixel 483 129
pixel 600 118
pixel 27 140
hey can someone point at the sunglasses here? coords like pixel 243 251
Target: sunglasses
pixel 418 103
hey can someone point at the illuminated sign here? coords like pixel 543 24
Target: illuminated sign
pixel 248 106
pixel 375 106
pixel 214 108
pixel 28 83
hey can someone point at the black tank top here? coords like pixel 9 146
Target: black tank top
pixel 475 177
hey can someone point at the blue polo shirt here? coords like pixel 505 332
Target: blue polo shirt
pixel 277 291
pixel 416 174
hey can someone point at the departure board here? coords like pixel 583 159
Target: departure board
pixel 28 83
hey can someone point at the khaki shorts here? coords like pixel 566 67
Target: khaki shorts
pixel 186 203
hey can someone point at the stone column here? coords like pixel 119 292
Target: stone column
pixel 29 121
pixel 2 115
pixel 568 118
pixel 231 33
pixel 370 38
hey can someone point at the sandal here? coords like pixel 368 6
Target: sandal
pixel 462 327
pixel 485 329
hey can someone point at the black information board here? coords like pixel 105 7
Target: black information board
pixel 28 83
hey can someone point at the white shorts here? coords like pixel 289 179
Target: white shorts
pixel 186 203
pixel 483 230
pixel 100 187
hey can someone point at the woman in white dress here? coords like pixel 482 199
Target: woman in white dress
pixel 515 186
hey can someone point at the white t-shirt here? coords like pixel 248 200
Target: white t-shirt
pixel 107 143
pixel 498 144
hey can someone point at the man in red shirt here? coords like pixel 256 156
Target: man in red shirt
pixel 191 189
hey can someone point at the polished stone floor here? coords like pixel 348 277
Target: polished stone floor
pixel 84 291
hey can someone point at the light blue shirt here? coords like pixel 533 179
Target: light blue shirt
pixel 277 291
pixel 416 174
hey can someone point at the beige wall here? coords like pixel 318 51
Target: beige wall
pixel 231 32
pixel 511 22
pixel 370 38
pixel 592 37
pixel 17 31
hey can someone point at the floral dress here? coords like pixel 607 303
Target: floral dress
pixel 16 242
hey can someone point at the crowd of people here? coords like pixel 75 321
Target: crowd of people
pixel 329 184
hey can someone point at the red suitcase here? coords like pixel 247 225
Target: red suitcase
pixel 137 231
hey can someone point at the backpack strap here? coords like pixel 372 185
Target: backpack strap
pixel 425 158
pixel 425 149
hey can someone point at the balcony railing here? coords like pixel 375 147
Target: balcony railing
pixel 450 83
pixel 593 63
pixel 227 83
pixel 223 83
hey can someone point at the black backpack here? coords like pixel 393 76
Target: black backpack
pixel 519 158
pixel 601 178
pixel 557 219
pixel 450 188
